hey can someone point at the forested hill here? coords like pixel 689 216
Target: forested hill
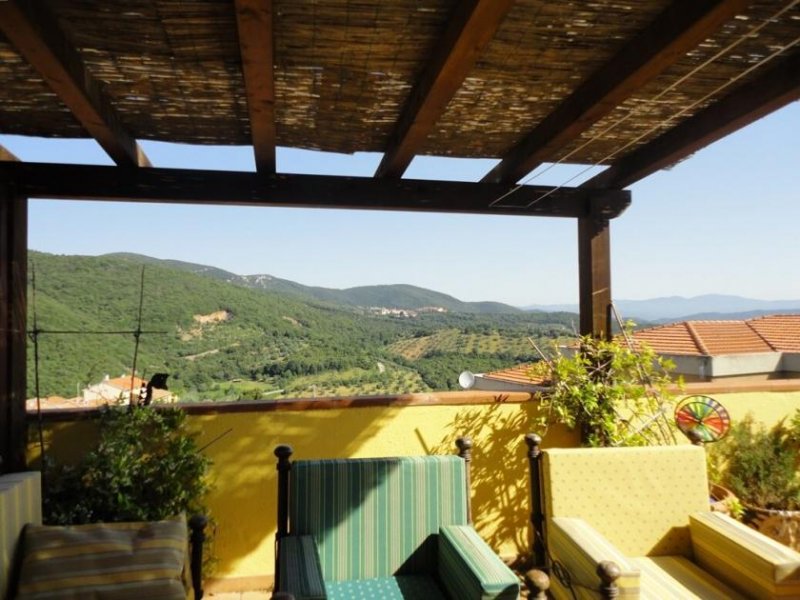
pixel 392 296
pixel 220 340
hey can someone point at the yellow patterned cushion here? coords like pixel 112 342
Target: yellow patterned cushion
pixel 20 504
pixel 676 578
pixel 639 499
pixel 106 560
pixel 580 549
pixel 752 562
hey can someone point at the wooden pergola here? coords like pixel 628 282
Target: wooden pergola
pixel 634 85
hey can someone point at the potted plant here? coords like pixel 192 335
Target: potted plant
pixel 762 467
pixel 614 392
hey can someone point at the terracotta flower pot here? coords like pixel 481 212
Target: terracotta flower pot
pixel 721 498
pixel 781 525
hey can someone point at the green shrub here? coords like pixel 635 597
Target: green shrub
pixel 145 466
pixel 613 394
pixel 761 466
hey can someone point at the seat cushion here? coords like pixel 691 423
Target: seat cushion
pixel 418 587
pixel 105 560
pixel 676 578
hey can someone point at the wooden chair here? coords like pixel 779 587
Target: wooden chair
pixel 636 523
pixel 382 528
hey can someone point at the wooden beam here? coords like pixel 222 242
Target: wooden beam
pixel 13 339
pixel 594 275
pixel 6 154
pixel 32 29
pixel 774 89
pixel 38 180
pixel 469 31
pixel 254 22
pixel 678 29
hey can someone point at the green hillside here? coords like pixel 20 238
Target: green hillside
pixel 220 340
pixel 394 296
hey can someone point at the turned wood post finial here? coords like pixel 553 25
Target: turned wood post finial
pixel 284 453
pixel 538 583
pixel 534 443
pixel 464 445
pixel 609 572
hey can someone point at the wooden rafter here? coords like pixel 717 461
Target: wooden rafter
pixel 6 154
pixel 469 30
pixel 32 29
pixel 254 23
pixel 678 29
pixel 774 89
pixel 309 191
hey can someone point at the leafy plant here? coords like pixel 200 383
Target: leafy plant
pixel 614 394
pixel 145 466
pixel 761 466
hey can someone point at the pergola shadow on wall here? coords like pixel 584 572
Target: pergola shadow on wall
pixel 631 85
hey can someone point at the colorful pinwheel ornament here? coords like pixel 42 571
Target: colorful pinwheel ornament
pixel 703 416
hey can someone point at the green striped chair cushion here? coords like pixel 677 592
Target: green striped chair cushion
pixel 376 517
pixel 580 548
pixel 677 578
pixel 470 570
pixel 105 560
pixel 747 559
pixel 299 568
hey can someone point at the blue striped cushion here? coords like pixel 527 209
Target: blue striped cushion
pixel 299 568
pixel 747 559
pixel 376 517
pixel 470 570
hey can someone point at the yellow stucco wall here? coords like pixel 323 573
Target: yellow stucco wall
pixel 243 502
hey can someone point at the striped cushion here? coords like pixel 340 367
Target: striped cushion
pixel 20 504
pixel 376 517
pixel 747 559
pixel 300 572
pixel 580 548
pixel 106 560
pixel 676 578
pixel 404 587
pixel 469 569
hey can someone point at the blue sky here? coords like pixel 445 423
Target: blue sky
pixel 724 221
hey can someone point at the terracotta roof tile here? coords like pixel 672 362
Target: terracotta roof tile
pixel 714 338
pixel 516 374
pixel 782 331
pixel 675 338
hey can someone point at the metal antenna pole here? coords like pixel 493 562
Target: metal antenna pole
pixel 35 338
pixel 137 334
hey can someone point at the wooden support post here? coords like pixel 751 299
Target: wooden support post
pixel 594 264
pixel 13 289
pixel 284 454
pixel 534 442
pixel 197 524
pixel 464 445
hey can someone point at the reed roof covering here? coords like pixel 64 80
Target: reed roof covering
pixel 172 70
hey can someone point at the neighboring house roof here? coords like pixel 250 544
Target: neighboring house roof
pixel 56 402
pixel 124 383
pixel 517 374
pixel 773 333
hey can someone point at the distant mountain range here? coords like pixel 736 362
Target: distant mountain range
pixel 394 296
pixel 678 308
pixel 654 310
